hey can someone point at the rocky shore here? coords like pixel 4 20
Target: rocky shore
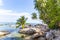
pixel 40 32
pixel 3 33
pixel 37 32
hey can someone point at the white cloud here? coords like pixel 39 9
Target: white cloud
pixel 1 2
pixel 10 16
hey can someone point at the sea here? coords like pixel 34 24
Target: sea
pixel 11 28
pixel 7 26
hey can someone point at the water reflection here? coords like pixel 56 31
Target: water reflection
pixel 12 38
pixel 13 33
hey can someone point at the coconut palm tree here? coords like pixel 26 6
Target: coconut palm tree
pixel 34 16
pixel 21 21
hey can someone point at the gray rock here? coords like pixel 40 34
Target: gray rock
pixel 3 33
pixel 27 31
pixel 41 38
pixel 49 35
pixel 56 38
pixel 42 27
pixel 45 28
pixel 36 35
pixel 57 32
pixel 28 38
pixel 30 31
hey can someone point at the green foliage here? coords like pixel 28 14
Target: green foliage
pixel 21 21
pixel 22 36
pixel 49 11
pixel 34 16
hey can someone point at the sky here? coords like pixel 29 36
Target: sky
pixel 18 5
pixel 11 10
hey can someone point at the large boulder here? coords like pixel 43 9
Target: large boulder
pixel 31 30
pixel 28 38
pixel 3 33
pixel 41 38
pixel 27 31
pixel 56 38
pixel 49 35
pixel 57 32
pixel 43 27
pixel 36 29
pixel 36 35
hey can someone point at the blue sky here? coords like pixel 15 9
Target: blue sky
pixel 19 5
pixel 11 10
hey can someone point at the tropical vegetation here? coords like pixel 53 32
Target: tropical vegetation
pixel 21 22
pixel 49 12
pixel 34 15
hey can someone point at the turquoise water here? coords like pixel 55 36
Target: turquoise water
pixel 7 28
pixel 12 38
pixel 14 35
pixel 13 32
